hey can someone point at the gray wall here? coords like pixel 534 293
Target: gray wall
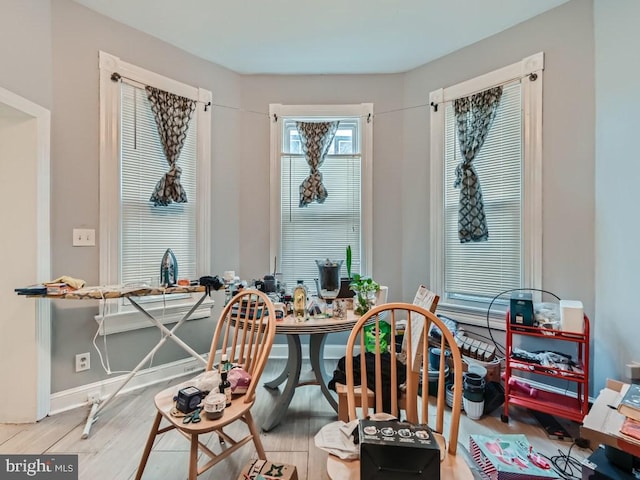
pixel 568 126
pixel 568 148
pixel 617 179
pixel 78 34
pixel 25 49
pixel 49 52
pixel 385 92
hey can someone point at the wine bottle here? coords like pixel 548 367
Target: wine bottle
pixel 225 387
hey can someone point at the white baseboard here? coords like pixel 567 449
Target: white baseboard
pixel 79 396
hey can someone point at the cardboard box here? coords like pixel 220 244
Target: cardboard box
pixel 603 422
pixel 398 451
pixel 268 470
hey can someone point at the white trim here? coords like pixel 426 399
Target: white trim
pixel 133 320
pixel 42 117
pixel 78 396
pixel 109 179
pixel 365 112
pixel 532 173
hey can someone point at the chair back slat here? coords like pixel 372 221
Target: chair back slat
pixel 413 396
pixel 245 332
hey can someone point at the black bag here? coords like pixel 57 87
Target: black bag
pixel 340 376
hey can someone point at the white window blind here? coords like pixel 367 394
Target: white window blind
pixel 148 230
pixel 479 270
pixel 320 231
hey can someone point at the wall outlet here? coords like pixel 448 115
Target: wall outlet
pixel 83 362
pixel 84 237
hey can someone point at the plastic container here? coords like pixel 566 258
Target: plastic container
pixel 473 409
pixel 214 404
pixel 449 397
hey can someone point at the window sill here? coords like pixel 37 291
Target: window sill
pixel 474 315
pixel 127 320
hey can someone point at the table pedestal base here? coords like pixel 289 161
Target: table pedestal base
pixel 291 373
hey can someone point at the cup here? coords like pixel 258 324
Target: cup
pixel 280 309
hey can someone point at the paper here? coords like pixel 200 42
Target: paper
pixel 337 439
pixel 424 298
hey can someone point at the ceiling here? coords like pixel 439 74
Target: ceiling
pixel 320 37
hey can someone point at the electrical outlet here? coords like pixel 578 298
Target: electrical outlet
pixel 84 237
pixel 83 362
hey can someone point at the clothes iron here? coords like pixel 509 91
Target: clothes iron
pixel 168 269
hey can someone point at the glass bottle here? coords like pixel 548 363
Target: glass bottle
pixel 225 366
pixel 300 301
pixel 225 387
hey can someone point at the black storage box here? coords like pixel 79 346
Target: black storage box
pixel 398 451
pixel 521 309
pixel 598 467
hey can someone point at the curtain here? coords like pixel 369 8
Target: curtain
pixel 315 138
pixel 172 114
pixel 474 116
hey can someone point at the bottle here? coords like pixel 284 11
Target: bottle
pixel 225 366
pixel 300 301
pixel 225 387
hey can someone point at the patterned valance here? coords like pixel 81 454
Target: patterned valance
pixel 474 116
pixel 316 137
pixel 172 114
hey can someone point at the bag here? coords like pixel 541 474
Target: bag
pixel 239 380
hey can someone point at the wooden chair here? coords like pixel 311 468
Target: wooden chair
pixel 245 332
pixel 428 300
pixel 412 397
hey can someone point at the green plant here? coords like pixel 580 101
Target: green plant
pixel 366 289
pixel 349 261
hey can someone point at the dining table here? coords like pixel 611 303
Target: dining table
pixel 317 328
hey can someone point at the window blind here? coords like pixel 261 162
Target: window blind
pixel 480 270
pixel 320 231
pixel 147 231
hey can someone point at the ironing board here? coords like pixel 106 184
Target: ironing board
pixel 132 294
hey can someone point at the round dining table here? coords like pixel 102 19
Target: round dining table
pixel 317 329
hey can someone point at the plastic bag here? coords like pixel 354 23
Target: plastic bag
pixel 370 337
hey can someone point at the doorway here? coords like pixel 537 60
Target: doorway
pixel 25 323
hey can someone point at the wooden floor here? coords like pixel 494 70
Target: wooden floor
pixel 114 447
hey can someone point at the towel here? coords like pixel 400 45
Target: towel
pixel 72 282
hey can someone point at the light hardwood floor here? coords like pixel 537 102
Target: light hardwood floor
pixel 114 447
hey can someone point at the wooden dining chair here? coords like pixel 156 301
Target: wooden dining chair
pixel 394 387
pixel 245 333
pixel 428 300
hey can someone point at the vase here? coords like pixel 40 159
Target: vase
pixel 364 302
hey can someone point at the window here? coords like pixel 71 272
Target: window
pixel 300 235
pixel 508 166
pixel 134 234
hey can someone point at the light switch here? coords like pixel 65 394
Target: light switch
pixel 84 237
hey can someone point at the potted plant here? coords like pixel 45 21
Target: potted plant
pixel 345 283
pixel 365 289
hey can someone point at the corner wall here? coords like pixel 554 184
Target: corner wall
pixel 617 99
pixel 565 35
